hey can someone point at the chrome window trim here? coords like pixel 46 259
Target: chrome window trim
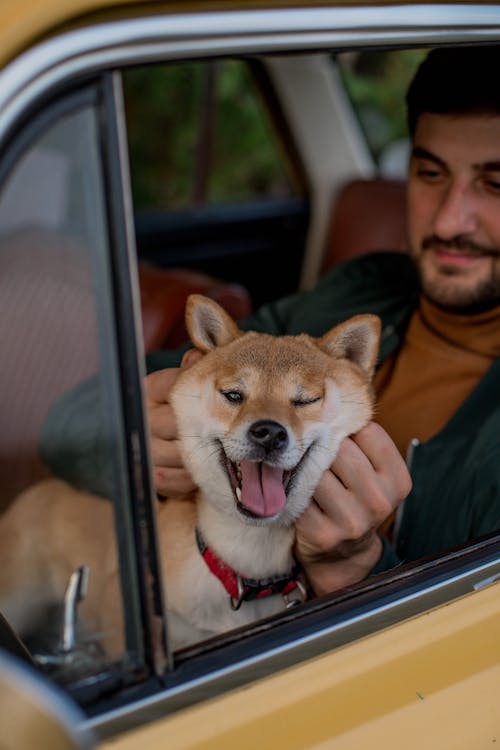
pixel 106 45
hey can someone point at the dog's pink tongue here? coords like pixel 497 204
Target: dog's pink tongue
pixel 262 489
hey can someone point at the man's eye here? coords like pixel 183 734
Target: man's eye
pixel 429 174
pixel 492 184
pixel 234 397
pixel 306 401
pixel 425 169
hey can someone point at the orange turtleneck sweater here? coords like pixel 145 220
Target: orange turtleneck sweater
pixel 443 357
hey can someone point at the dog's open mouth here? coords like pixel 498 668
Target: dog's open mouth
pixel 261 490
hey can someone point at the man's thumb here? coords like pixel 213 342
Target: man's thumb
pixel 190 357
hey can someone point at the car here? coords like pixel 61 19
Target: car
pixel 150 150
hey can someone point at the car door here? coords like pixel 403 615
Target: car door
pixel 73 348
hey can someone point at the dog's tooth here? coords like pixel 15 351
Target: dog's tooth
pixel 238 493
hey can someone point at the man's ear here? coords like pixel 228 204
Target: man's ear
pixel 356 339
pixel 208 324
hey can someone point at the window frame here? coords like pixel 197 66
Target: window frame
pixel 327 623
pixel 148 624
pixel 116 300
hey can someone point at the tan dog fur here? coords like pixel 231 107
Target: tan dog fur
pixel 318 390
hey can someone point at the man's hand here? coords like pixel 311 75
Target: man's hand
pixel 169 475
pixel 337 539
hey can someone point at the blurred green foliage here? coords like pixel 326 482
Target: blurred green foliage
pixel 198 133
pixel 161 101
pixel 376 82
pixel 247 155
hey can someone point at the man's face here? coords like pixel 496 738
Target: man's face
pixel 454 209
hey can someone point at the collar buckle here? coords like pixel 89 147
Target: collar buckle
pixel 235 602
pixel 300 595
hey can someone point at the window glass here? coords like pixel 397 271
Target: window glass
pixel 199 134
pixel 52 233
pixel 376 82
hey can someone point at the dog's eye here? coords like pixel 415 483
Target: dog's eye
pixel 305 401
pixel 235 397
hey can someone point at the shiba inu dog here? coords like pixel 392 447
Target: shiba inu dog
pixel 260 418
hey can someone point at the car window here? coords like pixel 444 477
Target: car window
pixel 55 341
pixel 217 185
pixel 63 453
pixel 192 127
pixel 376 82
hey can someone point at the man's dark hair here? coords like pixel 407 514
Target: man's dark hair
pixel 455 81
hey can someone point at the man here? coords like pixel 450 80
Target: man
pixel 437 383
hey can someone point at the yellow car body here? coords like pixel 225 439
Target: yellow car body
pixel 432 680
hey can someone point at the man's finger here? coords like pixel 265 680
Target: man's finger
pixel 377 446
pixel 166 453
pixel 352 467
pixel 190 357
pixel 172 482
pixel 369 462
pixel 162 422
pixel 158 385
pixel 386 459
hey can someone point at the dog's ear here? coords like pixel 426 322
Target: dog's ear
pixel 208 324
pixel 356 339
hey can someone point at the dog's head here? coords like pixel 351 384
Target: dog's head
pixel 261 417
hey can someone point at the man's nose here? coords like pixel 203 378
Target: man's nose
pixel 456 213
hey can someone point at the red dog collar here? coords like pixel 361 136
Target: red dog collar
pixel 242 589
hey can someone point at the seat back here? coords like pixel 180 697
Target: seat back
pixel 368 215
pixel 48 336
pixel 164 292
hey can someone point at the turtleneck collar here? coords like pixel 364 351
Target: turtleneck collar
pixel 478 333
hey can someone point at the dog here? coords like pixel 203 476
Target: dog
pixel 260 418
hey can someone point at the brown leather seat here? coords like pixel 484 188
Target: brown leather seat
pixel 163 298
pixel 368 215
pixel 48 330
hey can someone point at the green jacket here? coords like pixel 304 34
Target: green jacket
pixel 456 474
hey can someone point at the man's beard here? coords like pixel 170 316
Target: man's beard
pixel 468 300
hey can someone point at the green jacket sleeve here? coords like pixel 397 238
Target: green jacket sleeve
pixel 74 444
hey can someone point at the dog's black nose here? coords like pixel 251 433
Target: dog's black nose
pixel 268 434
